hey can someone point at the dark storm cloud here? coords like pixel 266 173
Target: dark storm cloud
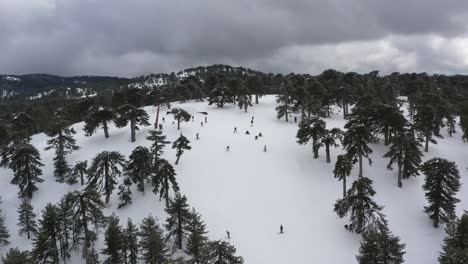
pixel 133 37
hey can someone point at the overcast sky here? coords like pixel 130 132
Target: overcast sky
pixel 135 37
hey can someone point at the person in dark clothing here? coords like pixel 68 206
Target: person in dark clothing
pixel 206 119
pixel 260 134
pixel 281 229
pixel 247 132
pixel 164 120
pixel 227 149
pixel 201 123
pixel 264 149
pixel 256 137
pixel 251 123
pixel 235 129
pixel 197 136
pixel 173 122
pixel 295 119
pixel 228 235
pixel 160 127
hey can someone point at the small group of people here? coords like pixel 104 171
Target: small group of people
pixel 349 227
pixel 228 234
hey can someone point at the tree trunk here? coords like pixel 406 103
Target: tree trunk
pixel 314 147
pixel 85 223
pixel 426 148
pixel 435 220
pixel 132 128
pixel 178 123
pixel 400 184
pixel 177 160
pixel 327 151
pixel 256 99
pixel 107 187
pixel 179 232
pixel 245 108
pixel 386 137
pixel 344 186
pixel 82 178
pixel 360 165
pixel 106 130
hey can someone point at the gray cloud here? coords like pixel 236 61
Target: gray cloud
pixel 129 38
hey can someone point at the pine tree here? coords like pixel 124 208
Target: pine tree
pixel 13 135
pixel 46 245
pixel 343 167
pixel 197 240
pixel 125 194
pixel 80 170
pixel 357 138
pixel 152 244
pixel 330 138
pixel 404 151
pixel 26 163
pixel 311 129
pixel 64 227
pixel 158 143
pixel 364 212
pixel 15 256
pixel 426 124
pixel 441 185
pixel 180 115
pixel 63 142
pixel 133 115
pixel 178 220
pixel 455 248
pixel 4 234
pixel 284 100
pixel 86 210
pixel 380 246
pixel 105 168
pixel 98 116
pixel 181 144
pixel 464 126
pixel 130 242
pixel 113 240
pixel 222 252
pixel 220 94
pixel 387 120
pixel 139 167
pixel 163 179
pixel 244 99
pixel 27 219
pixel 92 257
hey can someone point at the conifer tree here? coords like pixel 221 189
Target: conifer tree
pixel 178 220
pixel 113 240
pixel 139 167
pixel 63 142
pixel 404 152
pixel 98 116
pixel 158 143
pixel 197 240
pixel 343 167
pixel 244 99
pixel 330 138
pixel 364 212
pixel 4 234
pixel 15 256
pixel 86 208
pixel 106 166
pixel 387 120
pixel 181 144
pixel 64 227
pixel 125 194
pixel 163 179
pixel 426 124
pixel 222 252
pixel 220 94
pixel 284 100
pixel 464 126
pixel 130 242
pixel 26 163
pixel 311 129
pixel 92 257
pixel 441 184
pixel 455 248
pixel 13 135
pixel 46 245
pixel 379 245
pixel 152 244
pixel 27 219
pixel 180 115
pixel 79 170
pixel 133 115
pixel 357 138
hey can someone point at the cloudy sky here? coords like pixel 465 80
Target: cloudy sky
pixel 135 37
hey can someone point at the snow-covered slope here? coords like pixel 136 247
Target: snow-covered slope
pixel 250 192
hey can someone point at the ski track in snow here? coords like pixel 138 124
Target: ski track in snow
pixel 250 192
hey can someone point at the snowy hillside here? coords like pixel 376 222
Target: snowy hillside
pixel 251 192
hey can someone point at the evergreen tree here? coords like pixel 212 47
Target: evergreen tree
pixel 64 227
pixel 455 248
pixel 113 240
pixel 63 142
pixel 15 256
pixel 27 219
pixel 130 242
pixel 105 168
pixel 357 138
pixel 343 167
pixel 364 212
pixel 133 115
pixel 426 124
pixel 180 115
pixel 441 185
pixel 311 129
pixel 244 99
pixel 26 163
pixel 14 134
pixel 330 138
pixel 46 245
pixel 464 126
pixel 87 216
pixel 163 179
pixel 197 240
pixel 404 152
pixel 284 100
pixel 125 194
pixel 4 234
pixel 98 116
pixel 220 94
pixel 139 167
pixel 222 252
pixel 80 170
pixel 158 143
pixel 380 246
pixel 387 120
pixel 152 244
pixel 92 257
pixel 181 144
pixel 178 220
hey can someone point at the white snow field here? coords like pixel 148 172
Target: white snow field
pixel 251 193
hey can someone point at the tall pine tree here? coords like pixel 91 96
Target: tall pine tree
pixel 181 144
pixel 98 116
pixel 26 163
pixel 197 239
pixel 178 220
pixel 135 116
pixel 222 252
pixel 27 219
pixel 330 138
pixel 158 142
pixel 311 129
pixel 343 167
pixel 139 167
pixel 152 243
pixel 113 242
pixel 180 115
pixel 163 180
pixel 4 234
pixel 130 243
pixel 455 248
pixel 379 245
